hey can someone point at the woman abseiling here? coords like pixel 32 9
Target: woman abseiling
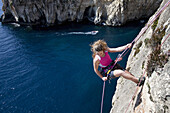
pixel 101 58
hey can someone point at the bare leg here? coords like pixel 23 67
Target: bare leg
pixel 129 72
pixel 126 75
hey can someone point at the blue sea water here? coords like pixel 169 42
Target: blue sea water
pixel 51 71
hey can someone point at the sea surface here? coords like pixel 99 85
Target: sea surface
pixel 51 71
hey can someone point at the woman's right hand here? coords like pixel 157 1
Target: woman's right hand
pixel 118 59
pixel 104 78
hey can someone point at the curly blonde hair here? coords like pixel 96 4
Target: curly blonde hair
pixel 99 45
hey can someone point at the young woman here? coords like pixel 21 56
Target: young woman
pixel 101 58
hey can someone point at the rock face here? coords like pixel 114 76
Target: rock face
pixel 148 58
pixel 51 12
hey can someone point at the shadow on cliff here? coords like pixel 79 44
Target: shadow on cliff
pixel 139 99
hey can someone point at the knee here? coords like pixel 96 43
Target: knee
pixel 118 72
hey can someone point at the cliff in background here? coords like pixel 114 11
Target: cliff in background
pixel 53 12
pixel 147 56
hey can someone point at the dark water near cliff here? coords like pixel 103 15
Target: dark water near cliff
pixel 50 71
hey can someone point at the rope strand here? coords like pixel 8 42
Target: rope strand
pixel 102 98
pixel 164 40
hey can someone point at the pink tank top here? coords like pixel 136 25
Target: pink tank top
pixel 104 61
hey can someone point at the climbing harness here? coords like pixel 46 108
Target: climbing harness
pixel 107 70
pixel 134 41
pixel 114 63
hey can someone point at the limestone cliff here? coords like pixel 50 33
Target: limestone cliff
pixel 52 12
pixel 147 56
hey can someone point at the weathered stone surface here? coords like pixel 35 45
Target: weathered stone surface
pixel 51 12
pixel 154 96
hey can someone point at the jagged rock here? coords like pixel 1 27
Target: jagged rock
pixel 51 12
pixel 154 96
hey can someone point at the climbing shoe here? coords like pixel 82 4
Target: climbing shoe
pixel 141 81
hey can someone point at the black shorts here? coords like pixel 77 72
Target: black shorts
pixel 117 66
pixel 104 71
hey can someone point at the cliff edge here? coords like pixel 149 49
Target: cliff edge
pixel 54 12
pixel 152 59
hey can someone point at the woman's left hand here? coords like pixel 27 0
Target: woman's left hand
pixel 129 45
pixel 104 78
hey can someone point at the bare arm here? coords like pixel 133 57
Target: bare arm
pixel 119 49
pixel 96 63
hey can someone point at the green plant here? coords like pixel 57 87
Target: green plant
pixel 146 41
pixel 157 36
pixel 149 92
pixel 143 63
pixel 155 24
pixel 151 98
pixel 137 50
pixel 157 58
pixel 165 107
pixel 149 88
pixel 139 44
pixel 128 68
